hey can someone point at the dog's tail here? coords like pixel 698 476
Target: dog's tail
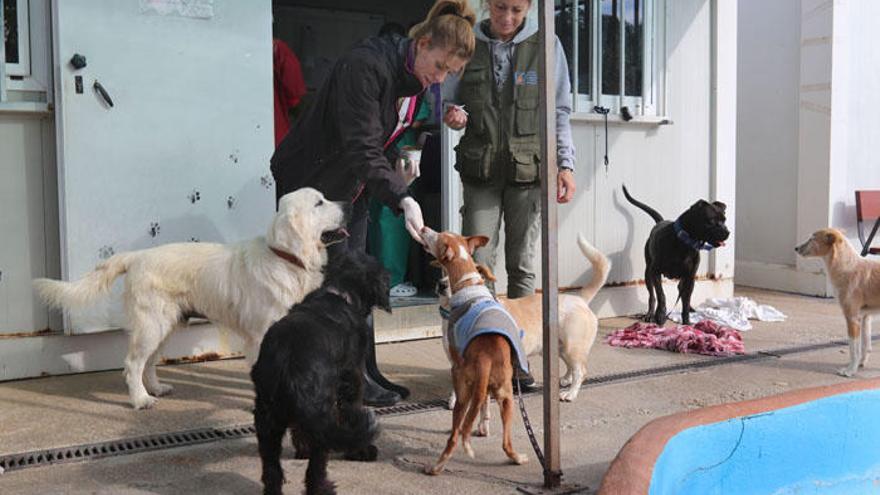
pixel 85 291
pixel 647 209
pixel 601 268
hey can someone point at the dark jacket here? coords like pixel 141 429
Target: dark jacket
pixel 336 146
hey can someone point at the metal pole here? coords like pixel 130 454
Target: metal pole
pixel 549 279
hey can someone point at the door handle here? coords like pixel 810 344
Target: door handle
pixel 103 92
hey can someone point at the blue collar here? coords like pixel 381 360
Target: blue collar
pixel 689 241
pixel 444 313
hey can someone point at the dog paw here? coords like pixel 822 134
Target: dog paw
pixel 568 396
pixel 433 470
pixel 323 487
pixel 450 404
pixel 846 371
pixel 519 459
pixel 482 430
pixel 565 381
pixel 468 449
pixel 660 318
pixel 144 402
pixel 161 390
pixel 367 454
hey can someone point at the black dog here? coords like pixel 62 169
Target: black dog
pixel 309 376
pixel 673 250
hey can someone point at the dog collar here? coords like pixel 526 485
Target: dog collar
pixel 686 238
pixel 468 277
pixel 290 258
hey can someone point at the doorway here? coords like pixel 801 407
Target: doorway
pixel 318 32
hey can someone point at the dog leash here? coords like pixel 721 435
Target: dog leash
pixel 529 430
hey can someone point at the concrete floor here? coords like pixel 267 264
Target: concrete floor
pixel 70 410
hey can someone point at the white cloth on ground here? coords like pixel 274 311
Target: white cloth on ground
pixel 734 312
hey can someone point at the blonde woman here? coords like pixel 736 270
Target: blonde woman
pixel 342 145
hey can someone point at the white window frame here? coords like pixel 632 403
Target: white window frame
pixel 650 104
pixel 23 67
pixel 27 86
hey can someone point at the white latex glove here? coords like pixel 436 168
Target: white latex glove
pixel 455 117
pixel 412 214
pixel 407 173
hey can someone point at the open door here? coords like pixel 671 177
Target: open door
pixel 176 147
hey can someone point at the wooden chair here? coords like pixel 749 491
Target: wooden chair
pixel 868 210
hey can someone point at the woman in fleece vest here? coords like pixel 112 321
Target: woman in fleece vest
pixel 498 157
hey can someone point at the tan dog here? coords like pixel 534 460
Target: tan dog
pixel 857 281
pixel 485 367
pixel 578 324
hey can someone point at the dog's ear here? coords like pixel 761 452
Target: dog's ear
pixel 372 281
pixel 485 272
pixel 831 238
pixel 383 297
pixel 721 206
pixel 476 241
pixel 448 254
pixel 289 233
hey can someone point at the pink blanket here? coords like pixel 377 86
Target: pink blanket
pixel 706 337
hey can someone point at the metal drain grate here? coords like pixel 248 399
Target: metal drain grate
pixel 135 445
pixel 411 408
pixel 16 462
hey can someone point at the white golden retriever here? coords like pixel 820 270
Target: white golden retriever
pixel 245 287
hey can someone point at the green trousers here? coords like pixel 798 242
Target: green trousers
pixel 388 240
pixel 520 207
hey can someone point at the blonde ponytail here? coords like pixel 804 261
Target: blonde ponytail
pixel 449 25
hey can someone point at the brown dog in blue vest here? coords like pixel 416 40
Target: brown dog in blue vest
pixel 484 352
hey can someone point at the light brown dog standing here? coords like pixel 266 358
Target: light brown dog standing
pixel 857 281
pixel 486 366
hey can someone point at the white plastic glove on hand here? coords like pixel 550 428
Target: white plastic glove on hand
pixel 407 173
pixel 412 214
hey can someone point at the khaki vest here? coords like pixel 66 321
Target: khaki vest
pixel 501 142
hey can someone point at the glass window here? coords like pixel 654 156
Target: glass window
pixel 610 49
pixel 577 44
pixel 16 38
pixel 634 40
pixel 10 31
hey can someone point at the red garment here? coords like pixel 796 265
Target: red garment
pixel 706 337
pixel 289 86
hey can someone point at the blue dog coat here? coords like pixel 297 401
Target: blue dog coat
pixel 482 314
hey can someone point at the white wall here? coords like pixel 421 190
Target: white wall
pixel 857 77
pixel 838 91
pixel 767 130
pixel 785 133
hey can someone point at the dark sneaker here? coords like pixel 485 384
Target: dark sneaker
pixel 526 381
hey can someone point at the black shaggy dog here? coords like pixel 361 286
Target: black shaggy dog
pixel 309 376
